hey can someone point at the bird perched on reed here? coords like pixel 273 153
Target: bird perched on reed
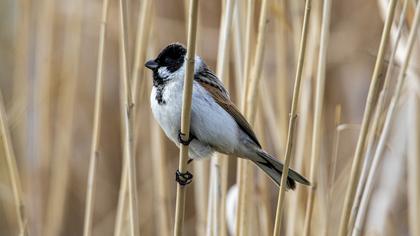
pixel 216 123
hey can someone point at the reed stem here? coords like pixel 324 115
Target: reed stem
pixel 292 119
pixel 388 120
pixel 219 162
pixel 319 103
pixel 375 127
pixel 94 152
pixel 186 114
pixel 127 109
pixel 371 99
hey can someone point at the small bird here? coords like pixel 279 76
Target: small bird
pixel 216 123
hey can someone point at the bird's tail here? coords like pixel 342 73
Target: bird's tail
pixel 273 168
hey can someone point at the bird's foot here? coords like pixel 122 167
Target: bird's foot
pixel 183 178
pixel 181 138
pixel 190 160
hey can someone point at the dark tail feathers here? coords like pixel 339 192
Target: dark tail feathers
pixel 273 168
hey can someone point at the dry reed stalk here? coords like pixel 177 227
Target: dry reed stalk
pixel 143 30
pixel 20 77
pixel 292 119
pixel 201 194
pixel 371 99
pixel 44 39
pixel 241 166
pixel 248 107
pixel 335 144
pixel 122 205
pixel 413 165
pixel 161 177
pixel 282 94
pixel 263 190
pixel 388 122
pixel 219 162
pixel 13 170
pixel 39 149
pixel 186 114
pixel 319 102
pixel 281 71
pixel 127 110
pixel 237 46
pixel 62 150
pixel 94 151
pixel 376 119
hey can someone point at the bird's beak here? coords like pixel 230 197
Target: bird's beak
pixel 151 64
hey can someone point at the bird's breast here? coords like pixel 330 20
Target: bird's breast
pixel 166 102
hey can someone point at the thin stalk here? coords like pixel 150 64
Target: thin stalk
pixel 87 230
pixel 219 163
pixel 249 106
pixel 122 200
pixel 413 165
pixel 143 28
pixel 388 120
pixel 39 120
pixel 13 170
pixel 20 96
pixel 186 114
pixel 319 102
pixel 334 153
pixel 127 110
pixel 241 168
pixel 292 119
pixel 371 99
pixel 376 118
pixel 161 178
pixel 62 150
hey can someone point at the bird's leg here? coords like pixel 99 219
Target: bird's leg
pixel 182 140
pixel 183 178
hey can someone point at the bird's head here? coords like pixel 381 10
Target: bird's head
pixel 168 63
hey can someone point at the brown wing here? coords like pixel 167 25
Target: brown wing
pixel 213 85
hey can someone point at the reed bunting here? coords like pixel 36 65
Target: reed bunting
pixel 216 123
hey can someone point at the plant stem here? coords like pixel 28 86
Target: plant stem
pixel 319 102
pixel 127 110
pixel 292 118
pixel 96 124
pixel 186 114
pixel 371 99
pixel 389 116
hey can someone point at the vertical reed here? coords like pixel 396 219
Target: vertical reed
pixel 376 118
pixel 127 109
pixel 186 114
pixel 242 164
pixel 62 148
pixel 13 170
pixel 413 165
pixel 249 106
pixel 319 102
pixel 218 180
pixel 292 119
pixel 94 152
pixel 371 99
pixel 388 119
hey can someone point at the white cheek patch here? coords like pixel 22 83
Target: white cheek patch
pixel 164 72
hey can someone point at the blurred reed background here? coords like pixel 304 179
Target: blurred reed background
pixel 74 109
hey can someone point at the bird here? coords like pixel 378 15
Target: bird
pixel 216 124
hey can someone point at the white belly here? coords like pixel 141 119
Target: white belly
pixel 213 127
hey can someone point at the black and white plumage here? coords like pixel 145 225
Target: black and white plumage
pixel 216 123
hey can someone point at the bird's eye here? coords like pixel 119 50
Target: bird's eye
pixel 168 61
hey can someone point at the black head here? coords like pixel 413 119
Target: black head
pixel 171 58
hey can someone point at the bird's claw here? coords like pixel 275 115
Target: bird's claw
pixel 183 178
pixel 182 140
